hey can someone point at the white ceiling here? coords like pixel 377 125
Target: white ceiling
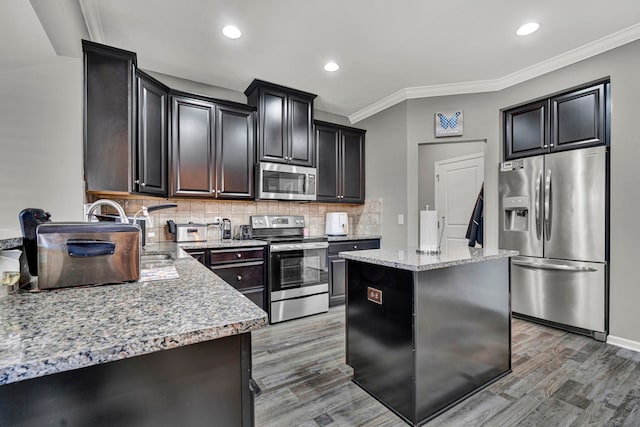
pixel 388 51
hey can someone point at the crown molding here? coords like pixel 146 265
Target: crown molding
pixel 604 44
pixel 92 20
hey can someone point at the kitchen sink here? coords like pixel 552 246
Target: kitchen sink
pixel 148 261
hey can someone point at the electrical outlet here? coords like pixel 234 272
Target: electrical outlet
pixel 400 219
pixel 217 219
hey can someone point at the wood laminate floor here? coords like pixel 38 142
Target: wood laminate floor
pixel 558 379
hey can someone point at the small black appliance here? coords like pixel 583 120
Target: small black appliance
pixel 30 218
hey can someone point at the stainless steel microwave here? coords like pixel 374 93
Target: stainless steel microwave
pixel 276 181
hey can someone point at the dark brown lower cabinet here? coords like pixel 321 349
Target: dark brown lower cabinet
pixel 337 265
pixel 200 384
pixel 243 268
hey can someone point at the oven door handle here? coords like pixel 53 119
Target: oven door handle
pixel 282 247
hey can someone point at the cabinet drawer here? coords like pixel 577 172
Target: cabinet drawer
pixel 236 255
pixel 353 245
pixel 248 275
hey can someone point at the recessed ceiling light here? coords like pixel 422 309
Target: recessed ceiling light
pixel 528 28
pixel 231 31
pixel 331 66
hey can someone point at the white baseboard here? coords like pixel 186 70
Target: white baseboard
pixel 623 342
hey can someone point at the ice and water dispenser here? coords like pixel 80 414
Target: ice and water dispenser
pixel 516 213
pixel 516 208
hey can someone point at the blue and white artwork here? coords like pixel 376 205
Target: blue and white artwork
pixel 449 123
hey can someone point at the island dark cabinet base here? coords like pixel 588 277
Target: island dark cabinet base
pixel 200 384
pixel 421 341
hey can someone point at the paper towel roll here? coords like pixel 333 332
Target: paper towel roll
pixel 428 231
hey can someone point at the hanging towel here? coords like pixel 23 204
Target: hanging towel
pixel 474 230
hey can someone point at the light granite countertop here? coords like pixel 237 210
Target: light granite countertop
pixel 353 237
pixel 10 239
pixel 46 332
pixel 218 244
pixel 409 259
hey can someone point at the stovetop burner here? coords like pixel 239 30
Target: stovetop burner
pixel 281 229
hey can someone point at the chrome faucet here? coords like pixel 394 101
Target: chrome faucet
pixel 92 207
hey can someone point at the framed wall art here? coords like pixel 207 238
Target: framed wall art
pixel 449 123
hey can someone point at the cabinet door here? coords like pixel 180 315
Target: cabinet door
pixel 352 166
pixel 526 131
pixel 108 117
pixel 301 147
pixel 151 173
pixel 256 295
pixel 337 280
pixel 327 139
pixel 192 147
pixel 578 118
pixel 234 152
pixel 272 146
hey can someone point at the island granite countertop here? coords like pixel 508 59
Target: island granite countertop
pixel 409 259
pixel 52 331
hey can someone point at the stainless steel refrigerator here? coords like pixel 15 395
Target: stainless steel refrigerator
pixel 553 210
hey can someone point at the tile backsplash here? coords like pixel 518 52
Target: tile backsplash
pixel 363 219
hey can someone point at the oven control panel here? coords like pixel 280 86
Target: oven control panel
pixel 277 221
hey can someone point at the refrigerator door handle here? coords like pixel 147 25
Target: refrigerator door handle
pixel 547 204
pixel 537 196
pixel 544 266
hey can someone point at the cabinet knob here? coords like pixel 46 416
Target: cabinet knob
pixel 355 246
pixel 239 277
pixel 218 191
pixel 137 181
pixel 239 255
pixel 545 146
pixel 142 184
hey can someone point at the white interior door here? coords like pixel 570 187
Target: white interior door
pixel 458 182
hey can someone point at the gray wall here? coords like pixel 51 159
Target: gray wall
pixel 198 88
pixel 428 155
pixel 386 177
pixel 41 140
pixel 191 86
pixel 482 121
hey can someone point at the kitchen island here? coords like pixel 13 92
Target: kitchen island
pixel 163 352
pixel 427 331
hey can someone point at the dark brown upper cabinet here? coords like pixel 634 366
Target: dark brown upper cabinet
pixel 527 130
pixel 578 118
pixel 285 118
pixel 212 146
pixel 151 164
pixel 109 119
pixel 575 119
pixel 340 169
pixel 235 147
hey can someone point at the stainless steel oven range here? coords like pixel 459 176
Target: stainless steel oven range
pixel 297 282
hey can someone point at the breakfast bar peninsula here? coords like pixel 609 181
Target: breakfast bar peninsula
pixel 426 331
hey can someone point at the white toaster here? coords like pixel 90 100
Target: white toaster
pixel 337 224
